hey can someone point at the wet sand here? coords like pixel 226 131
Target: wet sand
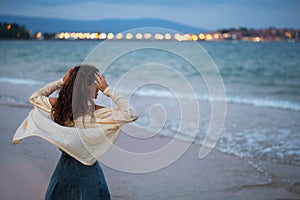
pixel 26 168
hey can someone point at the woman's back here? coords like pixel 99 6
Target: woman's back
pixel 82 130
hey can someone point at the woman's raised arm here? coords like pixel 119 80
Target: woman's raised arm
pixel 40 98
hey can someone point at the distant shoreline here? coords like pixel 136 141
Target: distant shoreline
pixel 90 40
pixel 140 30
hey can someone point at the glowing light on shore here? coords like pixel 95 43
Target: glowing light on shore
pixel 80 36
pixel 208 37
pixel 8 26
pixel 94 36
pixel 288 34
pixel 102 36
pixel 87 36
pixel 256 39
pixel 168 36
pixel 129 36
pixel 66 35
pixel 38 35
pixel 187 37
pixel 110 36
pixel 74 35
pixel 59 35
pixel 211 36
pixel 119 36
pixel 226 35
pixel 201 36
pixel 159 36
pixel 138 36
pixel 194 37
pixel 178 37
pixel 147 36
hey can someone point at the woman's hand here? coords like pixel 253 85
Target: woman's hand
pixel 101 82
pixel 68 74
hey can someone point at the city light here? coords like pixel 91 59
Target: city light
pixel 138 36
pixel 201 36
pixel 178 37
pixel 147 36
pixel 256 39
pixel 66 35
pixel 288 34
pixel 102 36
pixel 216 36
pixel 81 36
pixel 187 37
pixel 210 36
pixel 168 36
pixel 226 35
pixel 194 37
pixel 119 36
pixel 129 36
pixel 159 36
pixel 94 36
pixel 38 35
pixel 87 36
pixel 110 36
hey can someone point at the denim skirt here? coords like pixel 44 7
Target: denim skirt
pixel 76 181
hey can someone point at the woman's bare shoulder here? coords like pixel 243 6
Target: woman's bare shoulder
pixel 52 101
pixel 97 107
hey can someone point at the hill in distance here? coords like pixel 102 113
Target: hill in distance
pixel 52 25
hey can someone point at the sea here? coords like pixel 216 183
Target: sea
pixel 260 80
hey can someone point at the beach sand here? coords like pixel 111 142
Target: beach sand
pixel 26 168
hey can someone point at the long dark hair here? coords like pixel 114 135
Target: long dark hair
pixel 75 97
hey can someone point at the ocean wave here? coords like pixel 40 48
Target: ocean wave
pixel 13 102
pixel 282 104
pixel 251 144
pixel 262 102
pixel 19 81
pixel 254 101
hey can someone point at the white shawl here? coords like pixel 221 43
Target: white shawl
pixel 84 144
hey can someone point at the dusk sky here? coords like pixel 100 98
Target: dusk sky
pixel 209 14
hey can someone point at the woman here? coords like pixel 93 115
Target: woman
pixel 82 130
